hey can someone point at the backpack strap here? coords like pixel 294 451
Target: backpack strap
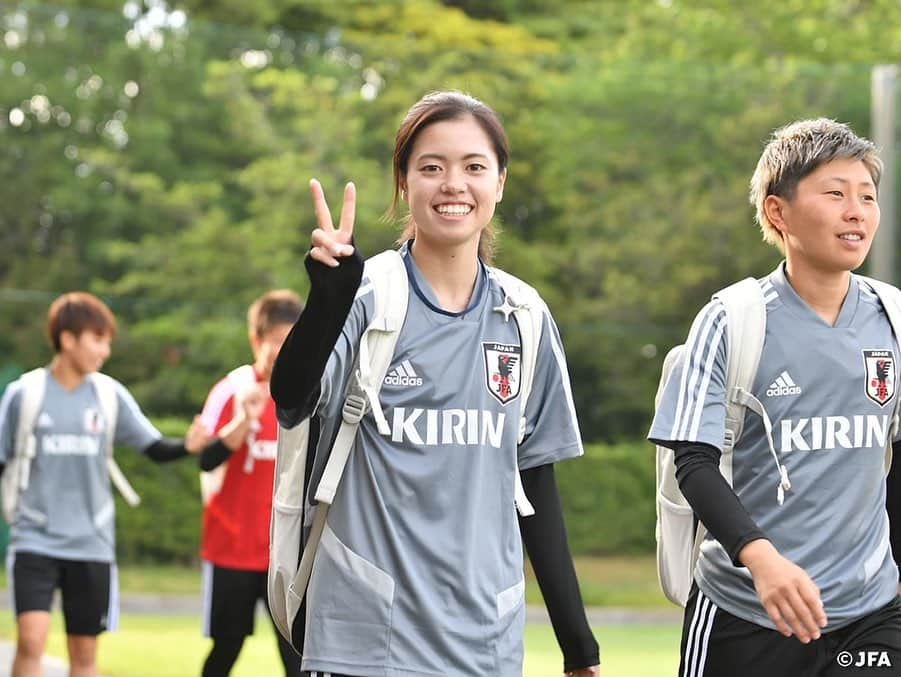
pixel 527 307
pixel 890 296
pixel 745 308
pixel 745 331
pixel 388 276
pixel 240 378
pixel 243 378
pixel 18 472
pixel 105 388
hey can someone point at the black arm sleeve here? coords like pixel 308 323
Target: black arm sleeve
pixel 166 449
pixel 294 384
pixel 893 501
pixel 213 455
pixel 544 535
pixel 712 499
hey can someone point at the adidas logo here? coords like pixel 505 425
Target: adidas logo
pixel 783 386
pixel 403 375
pixel 44 420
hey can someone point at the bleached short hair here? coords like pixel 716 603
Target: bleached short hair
pixel 796 150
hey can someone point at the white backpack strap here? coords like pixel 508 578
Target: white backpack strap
pixel 527 307
pixel 241 379
pixel 18 472
pixel 890 296
pixel 34 385
pixel 105 387
pixel 745 331
pixel 388 276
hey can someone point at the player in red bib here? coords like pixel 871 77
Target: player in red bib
pixel 237 489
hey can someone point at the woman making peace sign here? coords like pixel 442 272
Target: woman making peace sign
pixel 420 567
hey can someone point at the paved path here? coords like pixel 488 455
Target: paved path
pixel 53 667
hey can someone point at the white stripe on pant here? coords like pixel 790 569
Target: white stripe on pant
pixel 698 636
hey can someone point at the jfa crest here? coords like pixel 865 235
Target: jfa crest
pixel 503 366
pixel 93 421
pixel 880 366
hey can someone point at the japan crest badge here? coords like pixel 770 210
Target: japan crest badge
pixel 503 366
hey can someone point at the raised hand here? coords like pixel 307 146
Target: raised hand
pixel 254 401
pixel 789 595
pixel 197 436
pixel 328 244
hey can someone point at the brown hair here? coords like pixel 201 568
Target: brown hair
pixel 77 312
pixel 278 306
pixel 798 149
pixel 439 107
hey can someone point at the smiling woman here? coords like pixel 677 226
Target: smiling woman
pixel 420 567
pixel 478 146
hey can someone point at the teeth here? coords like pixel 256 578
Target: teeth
pixel 851 236
pixel 453 210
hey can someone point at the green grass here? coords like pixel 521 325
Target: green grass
pixel 612 581
pixel 171 646
pixel 626 651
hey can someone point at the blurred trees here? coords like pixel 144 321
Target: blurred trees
pixel 159 156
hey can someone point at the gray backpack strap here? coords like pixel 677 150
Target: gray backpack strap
pixel 890 296
pixel 18 470
pixel 388 276
pixel 678 540
pixel 745 331
pixel 527 307
pixel 105 387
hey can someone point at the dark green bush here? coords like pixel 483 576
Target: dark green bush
pixel 165 527
pixel 607 496
pixel 608 499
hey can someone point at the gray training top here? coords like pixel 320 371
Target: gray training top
pixel 69 486
pixel 830 393
pixel 419 571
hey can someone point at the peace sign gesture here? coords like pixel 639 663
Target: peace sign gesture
pixel 328 244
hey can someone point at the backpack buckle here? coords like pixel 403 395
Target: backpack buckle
pixel 355 406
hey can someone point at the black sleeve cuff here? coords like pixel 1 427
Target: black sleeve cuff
pixel 544 535
pixel 213 455
pixel 166 449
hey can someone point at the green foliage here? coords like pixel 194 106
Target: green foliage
pixel 163 164
pixel 608 499
pixel 165 527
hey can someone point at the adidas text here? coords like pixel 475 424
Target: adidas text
pixel 783 385
pixel 783 390
pixel 395 380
